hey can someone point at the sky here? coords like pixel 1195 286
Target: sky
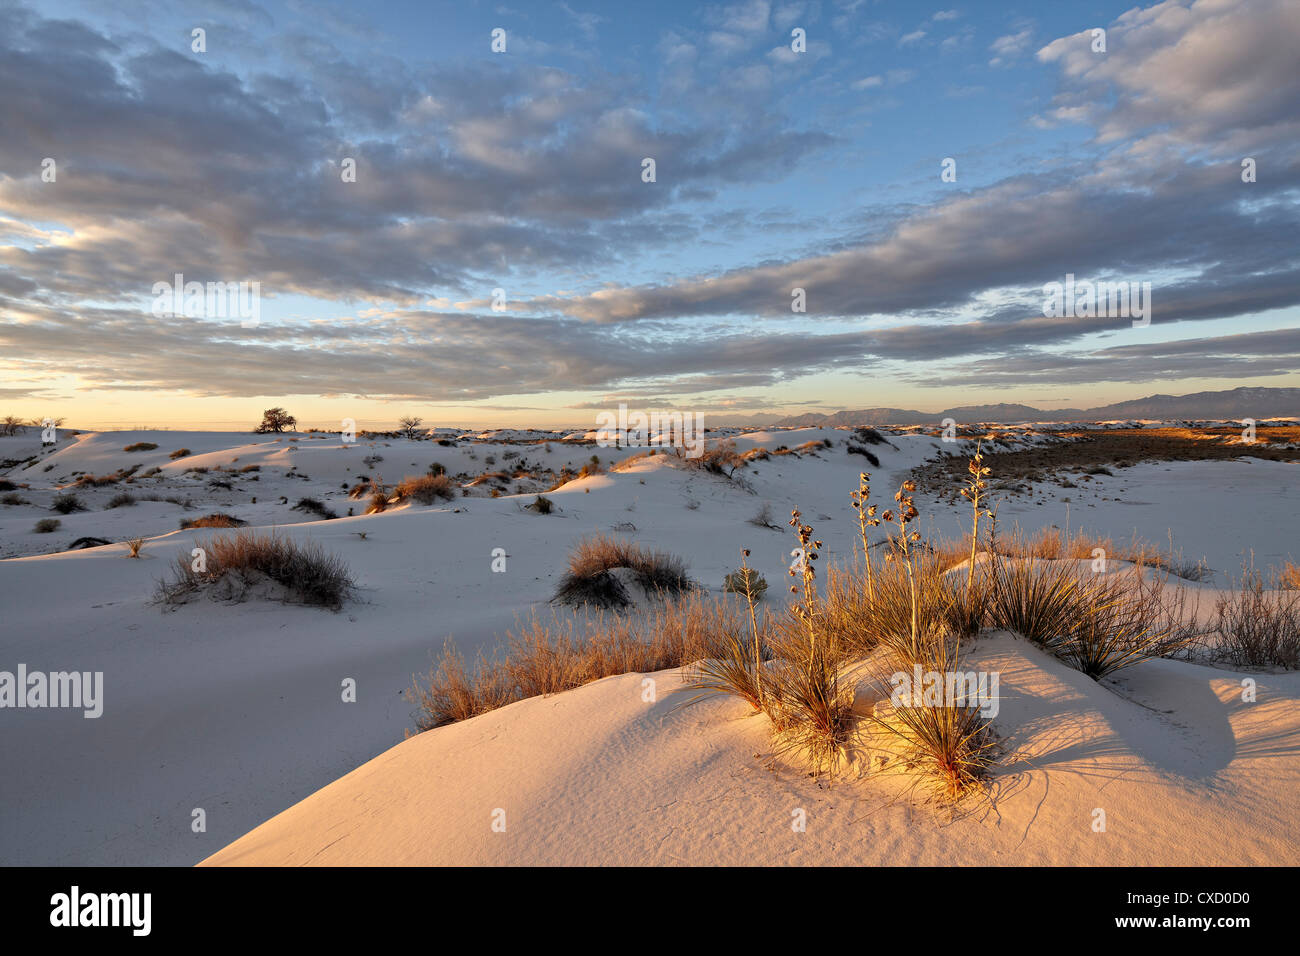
pixel 439 228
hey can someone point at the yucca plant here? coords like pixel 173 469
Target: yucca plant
pixel 951 743
pixel 1128 621
pixel 1039 600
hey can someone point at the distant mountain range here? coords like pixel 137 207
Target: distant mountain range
pixel 1257 403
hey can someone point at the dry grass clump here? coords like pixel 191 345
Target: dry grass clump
pixel 589 580
pixel 241 561
pixel 179 453
pixel 47 525
pixel 133 546
pixel 215 520
pixel 141 446
pixel 120 501
pixel 1288 577
pixel 426 489
pixel 1258 627
pixel 550 657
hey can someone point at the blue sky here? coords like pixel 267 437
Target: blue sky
pixel 479 170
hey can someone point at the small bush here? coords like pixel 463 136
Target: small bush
pixel 133 546
pixel 1257 627
pixel 141 446
pixel 46 525
pixel 745 581
pixel 179 453
pixel 220 483
pixel 865 453
pixel 120 501
pixel 214 520
pixel 7 485
pixel 543 505
pixel 13 499
pixel 870 436
pixel 426 489
pixel 248 468
pixel 66 504
pixel 315 506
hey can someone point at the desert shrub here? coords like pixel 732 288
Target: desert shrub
pixel 437 468
pixel 869 436
pixel 215 520
pixel 248 468
pixel 47 525
pixel 426 489
pixel 307 573
pixel 763 517
pixel 1257 627
pixel 378 502
pixel 220 483
pixel 719 459
pixel 141 446
pixel 120 501
pixel 7 485
pixel 66 504
pixel 133 546
pixel 1288 578
pixel 543 505
pixel 314 506
pixel 865 453
pixel 96 481
pixel 179 453
pixel 588 579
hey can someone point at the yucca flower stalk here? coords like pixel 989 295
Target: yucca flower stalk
pixel 751 599
pixel 972 492
pixel 806 609
pixel 905 515
pixel 866 518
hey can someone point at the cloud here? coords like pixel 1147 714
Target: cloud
pixel 466 174
pixel 1010 46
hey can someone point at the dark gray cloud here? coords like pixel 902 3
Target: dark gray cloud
pixel 167 164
